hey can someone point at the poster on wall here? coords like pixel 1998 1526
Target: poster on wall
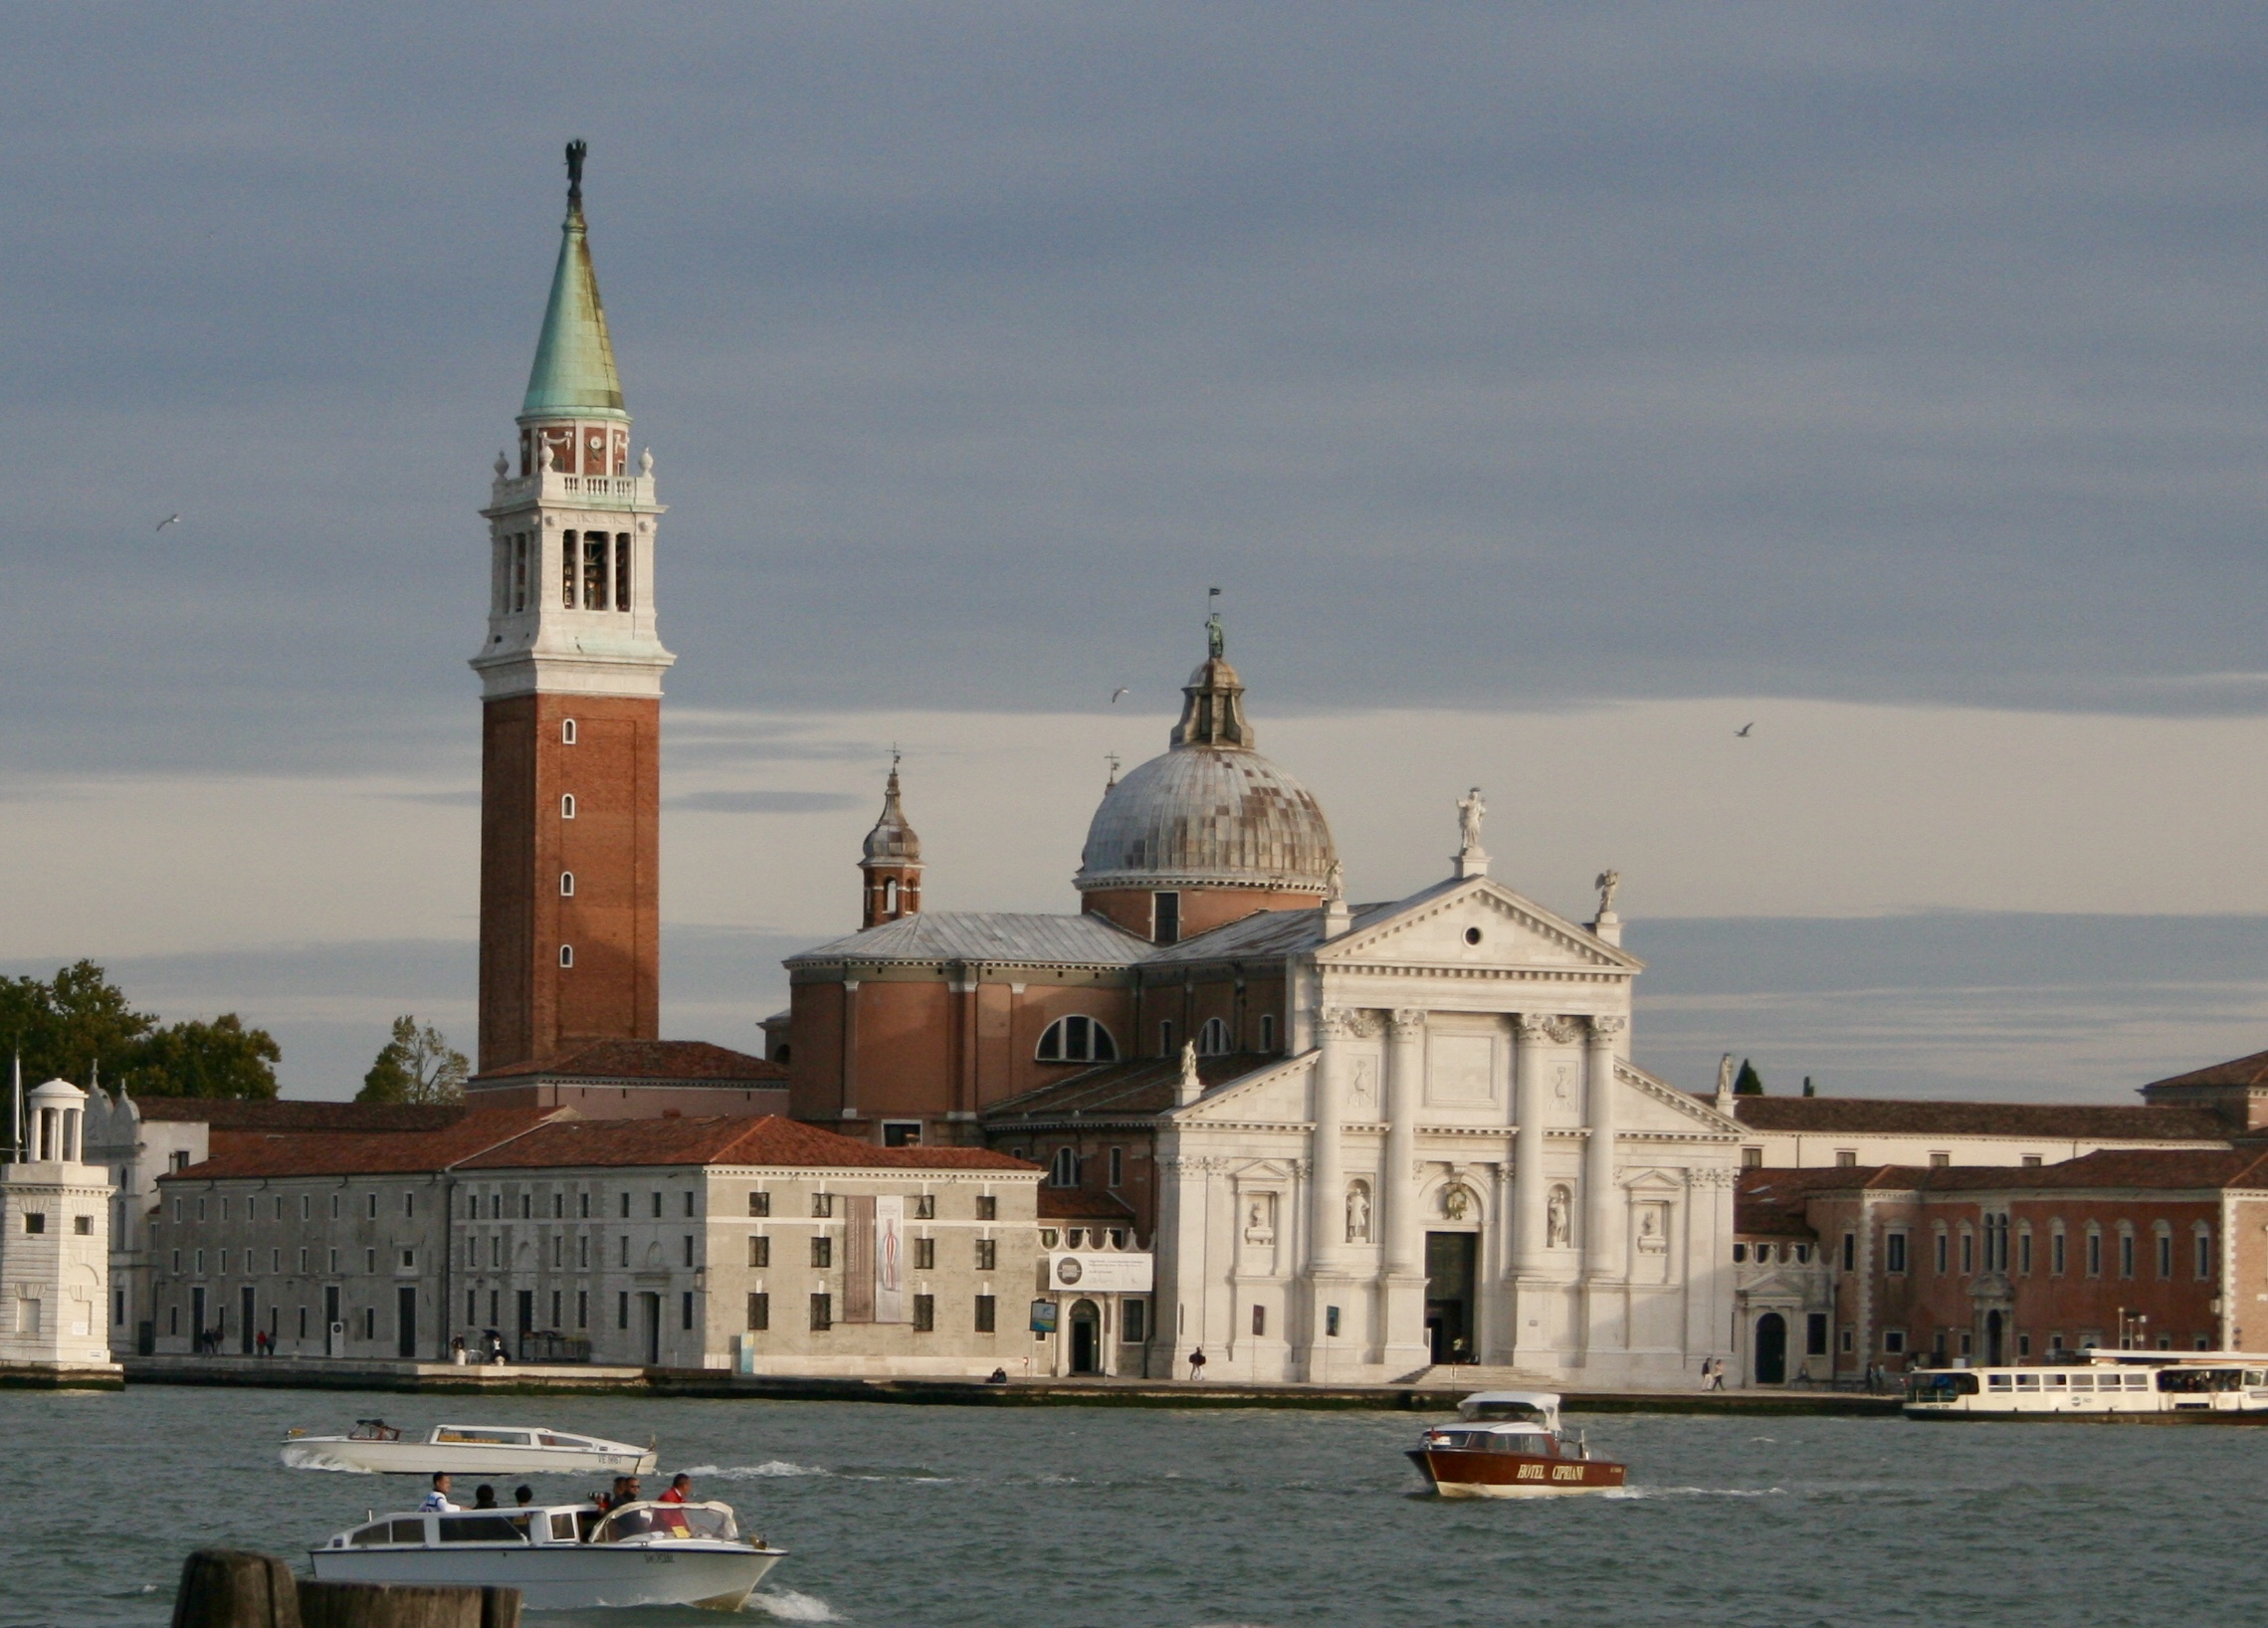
pixel 888 1260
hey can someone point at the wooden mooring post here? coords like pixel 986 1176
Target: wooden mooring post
pixel 233 1588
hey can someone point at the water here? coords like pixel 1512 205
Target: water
pixel 936 1518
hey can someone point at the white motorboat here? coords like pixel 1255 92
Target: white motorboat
pixel 466 1450
pixel 563 1556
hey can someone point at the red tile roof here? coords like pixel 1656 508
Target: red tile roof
pixel 770 1140
pixel 2070 1121
pixel 2238 1070
pixel 685 1062
pixel 230 1114
pixel 1080 1204
pixel 2144 1168
pixel 340 1153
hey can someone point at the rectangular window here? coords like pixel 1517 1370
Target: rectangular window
pixel 924 1255
pixel 1940 1161
pixel 1846 1157
pixel 374 1204
pixel 2055 1253
pixel 409 1204
pixel 1136 1318
pixel 1259 1320
pixel 625 1206
pixel 685 1312
pixel 822 1311
pixel 1968 1252
pixel 594 570
pixel 987 1254
pixel 1165 1039
pixel 822 1205
pixel 823 1251
pixel 583 1201
pixel 1118 1166
pixel 1268 1031
pixel 2205 1256
pixel 1943 1246
pixel 689 1206
pixel 1894 1253
pixel 333 1267
pixel 567 544
pixel 926 1207
pixel 1816 1333
pixel 626 1250
pixel 1752 1158
pixel 925 1314
pixel 759 1312
pixel 35 1220
pixel 1850 1251
pixel 582 1253
pixel 555 1300
pixel 902 1133
pixel 987 1207
pixel 2030 1161
pixel 2165 1254
pixel 657 1206
pixel 759 1204
pixel 987 1311
pixel 582 1308
pixel 2126 1254
pixel 2024 1252
pixel 759 1251
pixel 2094 1255
pixel 622 1310
pixel 622 570
pixel 471 1306
pixel 688 1251
pixel 1894 1341
pixel 82 1226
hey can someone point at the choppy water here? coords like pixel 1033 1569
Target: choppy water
pixel 899 1516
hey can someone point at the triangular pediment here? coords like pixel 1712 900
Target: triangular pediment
pixel 1476 924
pixel 1275 1095
pixel 1661 1106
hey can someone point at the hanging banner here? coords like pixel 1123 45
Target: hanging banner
pixel 888 1260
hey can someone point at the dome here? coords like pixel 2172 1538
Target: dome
pixel 893 841
pixel 1207 816
pixel 1211 812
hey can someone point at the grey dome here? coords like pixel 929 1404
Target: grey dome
pixel 1207 816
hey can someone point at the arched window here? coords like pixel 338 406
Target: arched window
pixel 889 893
pixel 1212 1039
pixel 567 805
pixel 1076 1040
pixel 566 884
pixel 1064 1171
pixel 567 732
pixel 567 954
pixel 1268 1031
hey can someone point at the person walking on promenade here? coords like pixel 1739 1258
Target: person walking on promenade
pixel 1197 1363
pixel 1715 1374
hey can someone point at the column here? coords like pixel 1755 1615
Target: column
pixel 1398 1179
pixel 1326 1193
pixel 1602 1200
pixel 1529 1197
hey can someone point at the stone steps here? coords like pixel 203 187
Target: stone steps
pixel 1463 1376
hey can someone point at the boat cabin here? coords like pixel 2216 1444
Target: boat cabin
pixel 563 1523
pixel 1537 1408
pixel 1499 1438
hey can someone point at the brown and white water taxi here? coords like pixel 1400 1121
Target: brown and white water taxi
pixel 1509 1444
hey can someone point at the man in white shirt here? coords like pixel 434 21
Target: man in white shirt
pixel 438 1499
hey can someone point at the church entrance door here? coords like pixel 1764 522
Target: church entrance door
pixel 1993 1355
pixel 1450 1258
pixel 1085 1337
pixel 1772 1349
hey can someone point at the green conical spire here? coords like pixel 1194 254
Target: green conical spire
pixel 575 371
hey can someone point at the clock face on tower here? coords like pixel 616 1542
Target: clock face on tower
pixel 594 452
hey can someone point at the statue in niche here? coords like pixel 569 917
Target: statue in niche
pixel 1456 1203
pixel 1650 1239
pixel 1260 1221
pixel 1557 1218
pixel 1359 1213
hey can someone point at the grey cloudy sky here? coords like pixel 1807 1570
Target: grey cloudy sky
pixel 1492 358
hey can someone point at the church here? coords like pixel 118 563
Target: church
pixel 1358 1139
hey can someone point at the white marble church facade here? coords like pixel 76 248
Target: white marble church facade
pixel 1456 1161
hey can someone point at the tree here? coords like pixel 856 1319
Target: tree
pixel 70 1025
pixel 416 1066
pixel 1747 1082
pixel 196 1059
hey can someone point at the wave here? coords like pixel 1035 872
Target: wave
pixel 789 1606
pixel 1694 1492
pixel 751 1472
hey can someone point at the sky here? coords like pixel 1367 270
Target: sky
pixel 1549 389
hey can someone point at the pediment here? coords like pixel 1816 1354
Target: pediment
pixel 1275 1095
pixel 1661 1106
pixel 1780 1285
pixel 1437 930
pixel 1653 1183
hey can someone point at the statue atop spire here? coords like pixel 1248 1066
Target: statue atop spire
pixel 576 150
pixel 1216 637
pixel 574 375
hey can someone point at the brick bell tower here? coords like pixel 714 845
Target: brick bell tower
pixel 571 701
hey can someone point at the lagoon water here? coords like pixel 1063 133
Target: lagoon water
pixel 1055 1517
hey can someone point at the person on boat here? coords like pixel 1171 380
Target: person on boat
pixel 484 1497
pixel 679 1490
pixel 438 1499
pixel 523 1495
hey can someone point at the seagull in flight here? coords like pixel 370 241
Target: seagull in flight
pixel 1116 694
pixel 170 520
pixel 1742 733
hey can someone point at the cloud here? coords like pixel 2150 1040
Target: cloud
pixel 761 802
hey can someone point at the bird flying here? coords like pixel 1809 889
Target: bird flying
pixel 170 520
pixel 1742 731
pixel 1116 694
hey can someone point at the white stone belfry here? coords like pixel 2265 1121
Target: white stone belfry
pixel 55 1247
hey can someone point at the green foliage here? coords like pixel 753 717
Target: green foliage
pixel 1747 1082
pixel 415 1066
pixel 77 1024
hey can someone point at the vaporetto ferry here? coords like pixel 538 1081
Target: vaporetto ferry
pixel 2099 1384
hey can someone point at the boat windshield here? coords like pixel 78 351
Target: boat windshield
pixel 402 1529
pixel 1943 1384
pixel 475 1433
pixel 1533 1442
pixel 373 1430
pixel 1493 1412
pixel 484 1528
pixel 639 1521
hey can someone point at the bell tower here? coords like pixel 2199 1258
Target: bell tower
pixel 571 701
pixel 891 862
